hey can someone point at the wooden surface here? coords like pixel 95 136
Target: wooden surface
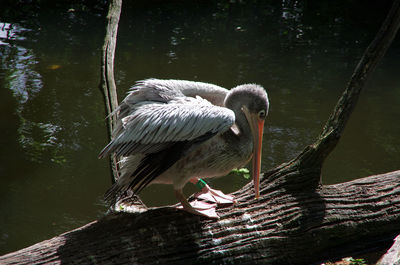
pixel 281 227
pixel 107 82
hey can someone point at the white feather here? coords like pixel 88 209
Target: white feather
pixel 164 111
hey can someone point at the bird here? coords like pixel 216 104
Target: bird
pixel 174 131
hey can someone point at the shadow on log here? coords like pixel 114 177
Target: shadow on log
pixel 297 220
pixel 279 228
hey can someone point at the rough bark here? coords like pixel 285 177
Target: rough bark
pixel 107 83
pixel 109 91
pixel 296 220
pixel 282 227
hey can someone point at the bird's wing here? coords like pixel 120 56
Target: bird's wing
pixel 160 119
pixel 168 88
pixel 152 127
pixel 164 91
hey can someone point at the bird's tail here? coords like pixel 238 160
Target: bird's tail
pixel 113 193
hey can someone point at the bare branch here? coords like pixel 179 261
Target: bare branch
pixel 107 83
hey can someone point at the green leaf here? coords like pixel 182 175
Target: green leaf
pixel 244 172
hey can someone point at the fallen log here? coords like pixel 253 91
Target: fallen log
pixel 282 227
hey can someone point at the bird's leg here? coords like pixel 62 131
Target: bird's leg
pixel 197 207
pixel 210 194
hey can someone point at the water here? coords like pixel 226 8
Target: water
pixel 52 122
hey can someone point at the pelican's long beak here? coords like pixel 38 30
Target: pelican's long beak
pixel 257 128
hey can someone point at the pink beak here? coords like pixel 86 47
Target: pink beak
pixel 257 148
pixel 257 129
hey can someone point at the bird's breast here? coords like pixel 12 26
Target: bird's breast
pixel 215 157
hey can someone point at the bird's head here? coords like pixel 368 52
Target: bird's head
pixel 253 102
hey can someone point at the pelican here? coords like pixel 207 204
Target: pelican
pixel 176 131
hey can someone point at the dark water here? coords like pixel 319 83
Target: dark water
pixel 52 114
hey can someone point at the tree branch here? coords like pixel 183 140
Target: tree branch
pixel 313 156
pixel 107 83
pixel 279 228
pixel 372 56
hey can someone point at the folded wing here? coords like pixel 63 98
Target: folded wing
pixel 152 127
pixel 160 123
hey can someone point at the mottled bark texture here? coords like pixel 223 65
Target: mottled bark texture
pixel 107 82
pixel 297 220
pixel 284 226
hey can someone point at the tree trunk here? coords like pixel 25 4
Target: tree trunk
pixel 296 220
pixel 107 83
pixel 282 227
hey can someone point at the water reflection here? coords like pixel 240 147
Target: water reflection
pixel 292 15
pixel 36 138
pixel 50 109
pixel 10 32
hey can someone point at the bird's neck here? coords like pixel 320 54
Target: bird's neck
pixel 241 135
pixel 242 124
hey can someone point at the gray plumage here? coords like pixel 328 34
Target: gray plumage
pixel 171 130
pixel 157 113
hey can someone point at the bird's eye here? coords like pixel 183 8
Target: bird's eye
pixel 262 114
